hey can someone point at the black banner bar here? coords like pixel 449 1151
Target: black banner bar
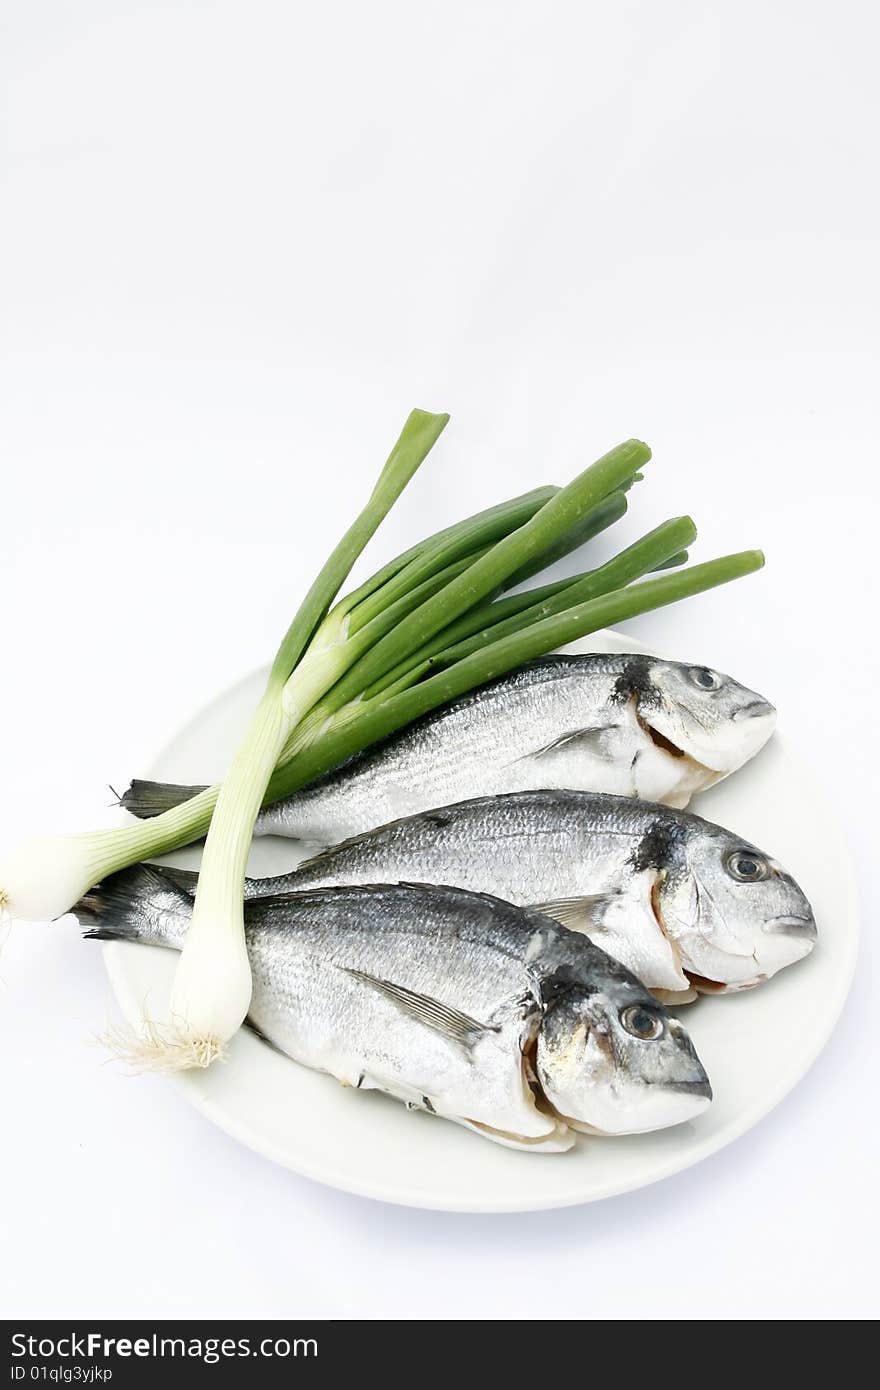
pixel 123 1354
pixel 129 1354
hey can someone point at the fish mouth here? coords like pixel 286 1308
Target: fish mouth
pixel 755 709
pixel 683 1101
pixel 799 928
pixel 788 939
pixel 698 1089
pixel 791 939
pixel 749 729
pixel 656 1106
pixel 723 751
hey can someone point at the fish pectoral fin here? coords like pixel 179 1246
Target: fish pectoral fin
pixel 578 914
pixel 450 1023
pixel 595 741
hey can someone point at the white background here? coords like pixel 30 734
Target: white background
pixel 240 241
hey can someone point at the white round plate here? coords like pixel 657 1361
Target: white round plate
pixel 755 1046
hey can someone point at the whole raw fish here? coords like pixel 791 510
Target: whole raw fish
pixel 490 1015
pixel 628 724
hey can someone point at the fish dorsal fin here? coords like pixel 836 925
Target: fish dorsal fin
pixel 595 741
pixel 434 819
pixel 450 1023
pixel 578 914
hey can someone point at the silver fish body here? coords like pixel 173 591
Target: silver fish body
pixel 455 1003
pixel 672 896
pixel 679 901
pixel 627 724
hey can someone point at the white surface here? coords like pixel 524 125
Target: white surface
pixel 239 242
pixel 755 1046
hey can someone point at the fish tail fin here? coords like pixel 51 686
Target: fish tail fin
pixel 137 904
pixel 147 799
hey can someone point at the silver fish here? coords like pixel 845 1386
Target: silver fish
pixel 455 1003
pixel 682 903
pixel 627 724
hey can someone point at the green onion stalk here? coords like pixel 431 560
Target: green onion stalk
pixel 427 627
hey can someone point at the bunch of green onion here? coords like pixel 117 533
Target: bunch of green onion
pixel 424 629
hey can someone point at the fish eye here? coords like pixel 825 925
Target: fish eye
pixel 642 1023
pixel 704 678
pixel 746 866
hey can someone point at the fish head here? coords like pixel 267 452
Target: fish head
pixel 703 715
pixel 612 1060
pixel 734 915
